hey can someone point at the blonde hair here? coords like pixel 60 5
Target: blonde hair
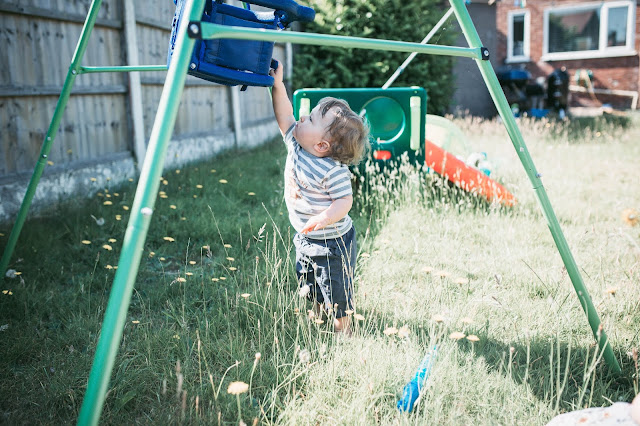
pixel 348 133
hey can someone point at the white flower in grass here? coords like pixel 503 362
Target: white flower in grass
pixel 236 388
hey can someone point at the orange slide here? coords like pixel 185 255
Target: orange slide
pixel 467 178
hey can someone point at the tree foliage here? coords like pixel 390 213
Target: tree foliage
pixel 321 66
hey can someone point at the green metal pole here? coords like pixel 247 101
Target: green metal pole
pixel 74 68
pixel 214 31
pixel 122 68
pixel 138 226
pixel 501 103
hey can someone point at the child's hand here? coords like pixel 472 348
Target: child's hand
pixel 316 223
pixel 277 74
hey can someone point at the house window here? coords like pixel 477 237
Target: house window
pixel 518 37
pixel 589 30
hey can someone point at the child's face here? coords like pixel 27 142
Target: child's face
pixel 310 131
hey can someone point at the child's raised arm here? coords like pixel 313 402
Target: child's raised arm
pixel 281 104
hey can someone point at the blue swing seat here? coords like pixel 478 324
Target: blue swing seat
pixel 238 62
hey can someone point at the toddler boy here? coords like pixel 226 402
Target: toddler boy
pixel 318 195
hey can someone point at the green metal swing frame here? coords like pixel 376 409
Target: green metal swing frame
pixel 148 184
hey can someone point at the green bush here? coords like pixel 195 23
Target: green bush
pixel 318 66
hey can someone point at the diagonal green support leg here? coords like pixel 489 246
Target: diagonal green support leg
pixel 138 226
pixel 74 70
pixel 501 103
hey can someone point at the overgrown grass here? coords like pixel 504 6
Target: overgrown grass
pixel 432 261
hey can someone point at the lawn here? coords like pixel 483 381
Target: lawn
pixel 215 300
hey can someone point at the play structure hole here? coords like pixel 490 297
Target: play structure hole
pixel 386 118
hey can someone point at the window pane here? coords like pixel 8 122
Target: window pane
pixel 518 35
pixel 571 31
pixel 617 26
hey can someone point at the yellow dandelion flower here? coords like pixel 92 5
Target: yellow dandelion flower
pixel 135 322
pixel 183 218
pixel 223 181
pixel 365 255
pixel 189 274
pixel 106 189
pixel 100 194
pixel 164 196
pixel 112 240
pixel 115 194
pixel 130 179
pixel 168 239
pixel 236 388
pixel 457 335
pixel 195 196
pixel 107 247
pixel 17 273
pixel 215 279
pixel 318 321
pixel 177 171
pixel 181 280
pixel 192 262
pixel 251 194
pixel 173 206
pixel 213 170
pixel 389 331
pixel 108 203
pixel 93 179
pixel 50 163
pixel 358 317
pixel 165 182
pixel 404 331
pixel 152 253
pixel 118 217
pixel 85 242
pixel 206 247
pixel 438 318
pixel 466 320
pixel 1 234
pixel 162 193
pixel 108 195
pixel 611 290
pixel 199 186
pixel 108 267
pixel 473 338
pixel 245 295
pixel 233 268
pixel 162 259
pixel 427 269
pixel 348 312
pixel 125 207
pixel 227 246
pixel 223 278
pixel 230 259
pixel 462 281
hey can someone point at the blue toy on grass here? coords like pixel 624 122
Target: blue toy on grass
pixel 412 390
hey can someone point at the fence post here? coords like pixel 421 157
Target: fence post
pixel 135 90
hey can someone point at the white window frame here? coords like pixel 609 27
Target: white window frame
pixel 604 51
pixel 526 56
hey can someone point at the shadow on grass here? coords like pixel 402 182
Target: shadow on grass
pixel 582 129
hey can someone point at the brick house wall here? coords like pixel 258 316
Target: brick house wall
pixel 613 73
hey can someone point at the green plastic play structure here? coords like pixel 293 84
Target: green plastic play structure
pixel 145 197
pixel 396 115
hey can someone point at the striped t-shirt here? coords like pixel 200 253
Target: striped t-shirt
pixel 310 185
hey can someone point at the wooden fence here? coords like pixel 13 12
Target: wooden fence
pixel 109 116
